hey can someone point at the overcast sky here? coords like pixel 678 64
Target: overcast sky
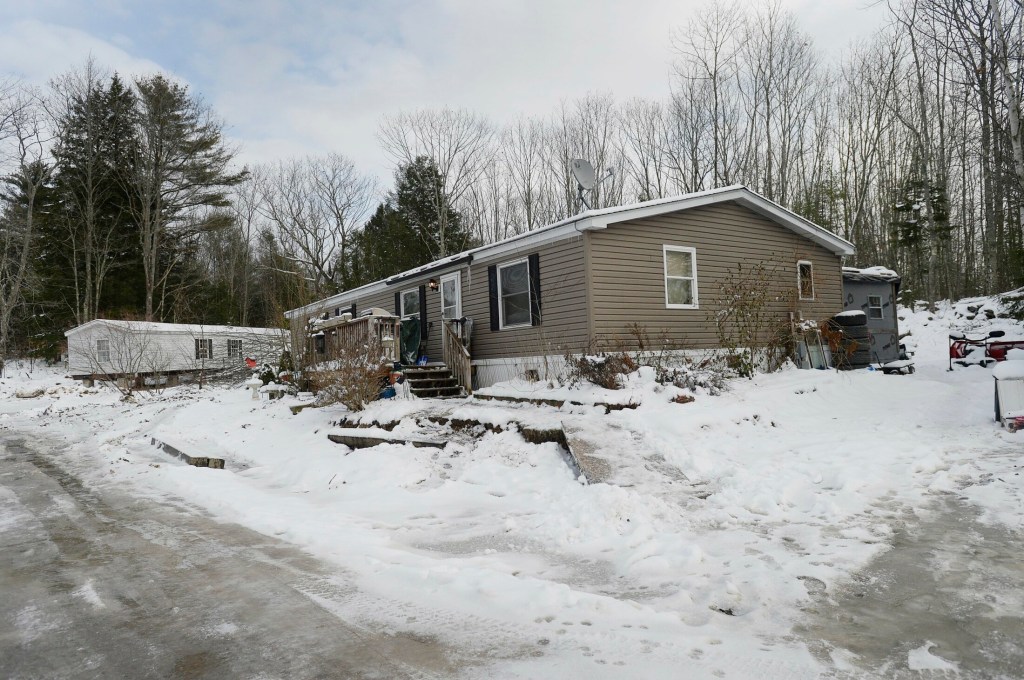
pixel 294 78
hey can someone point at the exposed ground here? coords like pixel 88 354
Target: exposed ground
pixel 102 584
pixel 801 525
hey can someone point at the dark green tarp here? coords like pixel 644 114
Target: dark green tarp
pixel 410 340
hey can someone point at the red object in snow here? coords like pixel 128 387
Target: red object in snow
pixel 251 363
pixel 994 350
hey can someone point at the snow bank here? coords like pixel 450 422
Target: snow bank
pixel 733 502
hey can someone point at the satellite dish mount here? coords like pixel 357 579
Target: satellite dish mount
pixel 586 178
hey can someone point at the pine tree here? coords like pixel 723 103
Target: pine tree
pixel 90 251
pixel 405 230
pixel 180 174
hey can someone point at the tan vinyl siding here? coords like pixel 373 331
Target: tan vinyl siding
pixel 564 322
pixel 386 300
pixel 563 305
pixel 627 271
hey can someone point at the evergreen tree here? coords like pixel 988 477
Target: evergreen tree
pixel 921 223
pixel 179 176
pixel 91 256
pixel 405 230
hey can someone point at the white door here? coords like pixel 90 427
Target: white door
pixel 451 296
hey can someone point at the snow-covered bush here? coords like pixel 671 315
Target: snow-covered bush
pixel 603 370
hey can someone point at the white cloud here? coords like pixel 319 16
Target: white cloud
pixel 36 51
pixel 292 81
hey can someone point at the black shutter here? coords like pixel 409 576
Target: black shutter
pixel 353 310
pixel 398 304
pixel 534 262
pixel 492 291
pixel 423 316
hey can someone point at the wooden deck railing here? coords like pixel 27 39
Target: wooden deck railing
pixel 455 354
pixel 339 333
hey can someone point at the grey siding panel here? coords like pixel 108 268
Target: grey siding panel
pixel 627 271
pixel 563 310
pixel 885 332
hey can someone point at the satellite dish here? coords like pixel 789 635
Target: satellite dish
pixel 584 173
pixel 586 178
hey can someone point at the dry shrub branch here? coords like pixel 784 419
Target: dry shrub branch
pixel 353 377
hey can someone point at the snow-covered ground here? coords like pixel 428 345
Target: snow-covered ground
pixel 726 512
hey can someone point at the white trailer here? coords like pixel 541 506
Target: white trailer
pixel 154 353
pixel 1009 393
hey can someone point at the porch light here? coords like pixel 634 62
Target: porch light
pixel 433 284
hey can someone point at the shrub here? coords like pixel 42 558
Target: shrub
pixel 353 378
pixel 750 332
pixel 603 370
pixel 285 363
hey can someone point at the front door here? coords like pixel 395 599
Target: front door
pixel 451 296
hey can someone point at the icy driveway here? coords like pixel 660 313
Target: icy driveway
pixel 110 586
pixel 937 603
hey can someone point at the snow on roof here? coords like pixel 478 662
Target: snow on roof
pixel 870 274
pixel 191 329
pixel 599 219
pixel 1009 370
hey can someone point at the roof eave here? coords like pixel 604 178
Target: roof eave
pixel 741 195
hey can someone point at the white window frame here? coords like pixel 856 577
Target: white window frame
pixel 800 279
pixel 881 310
pixel 529 295
pixel 102 349
pixel 401 299
pixel 665 250
pixel 457 277
pixel 235 353
pixel 204 349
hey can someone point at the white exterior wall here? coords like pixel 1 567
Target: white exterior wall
pixel 157 350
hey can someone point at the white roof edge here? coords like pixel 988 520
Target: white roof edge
pixel 600 219
pixel 175 327
pixel 738 193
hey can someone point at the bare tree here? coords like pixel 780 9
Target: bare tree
pixel 588 129
pixel 460 144
pixel 24 137
pixel 644 135
pixel 315 205
pixel 1011 92
pixel 522 151
pixel 708 73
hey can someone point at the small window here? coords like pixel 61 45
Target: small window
pixel 103 350
pixel 875 307
pixel 680 277
pixel 514 294
pixel 234 348
pixel 204 348
pixel 805 279
pixel 411 303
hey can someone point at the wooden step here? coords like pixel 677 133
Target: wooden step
pixel 432 381
pixel 438 382
pixel 438 392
